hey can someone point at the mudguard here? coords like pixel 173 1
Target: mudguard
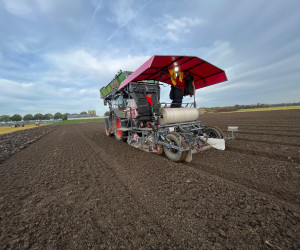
pixel 107 123
pixel 119 113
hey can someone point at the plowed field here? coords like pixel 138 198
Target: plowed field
pixel 76 188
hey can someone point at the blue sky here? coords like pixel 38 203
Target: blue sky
pixel 55 55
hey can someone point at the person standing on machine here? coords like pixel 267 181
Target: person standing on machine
pixel 176 95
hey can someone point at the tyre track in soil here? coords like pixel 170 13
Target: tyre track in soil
pixel 70 193
pixel 278 148
pixel 270 119
pixel 274 174
pixel 123 179
pixel 288 193
pixel 158 230
pixel 72 203
pixel 261 132
pixel 277 141
pixel 138 191
pixel 134 178
pixel 264 131
pixel 269 160
pixel 274 147
pixel 271 156
pixel 272 151
pixel 262 128
pixel 267 133
pixel 245 184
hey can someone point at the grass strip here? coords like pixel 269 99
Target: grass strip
pixel 80 121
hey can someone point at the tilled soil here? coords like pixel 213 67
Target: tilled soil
pixel 78 188
pixel 14 142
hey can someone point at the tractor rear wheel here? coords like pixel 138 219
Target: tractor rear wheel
pixel 173 154
pixel 108 133
pixel 213 132
pixel 119 134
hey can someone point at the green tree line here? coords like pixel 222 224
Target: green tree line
pixel 263 105
pixel 38 116
pixel 249 106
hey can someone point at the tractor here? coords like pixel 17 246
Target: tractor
pixel 162 127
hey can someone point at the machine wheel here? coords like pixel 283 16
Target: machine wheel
pixel 213 132
pixel 108 133
pixel 174 154
pixel 119 134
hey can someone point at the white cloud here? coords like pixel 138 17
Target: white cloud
pixel 74 82
pixel 177 27
pixel 19 8
pixel 31 9
pixel 80 64
pixel 182 24
pixel 15 89
pixel 23 98
pixel 220 53
pixel 123 12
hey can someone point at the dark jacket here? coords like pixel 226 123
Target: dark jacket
pixel 188 85
pixel 176 93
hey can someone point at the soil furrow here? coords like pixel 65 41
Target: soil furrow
pixel 76 188
pixel 268 140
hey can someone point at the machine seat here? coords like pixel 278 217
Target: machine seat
pixel 144 110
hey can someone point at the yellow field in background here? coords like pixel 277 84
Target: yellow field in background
pixel 6 129
pixel 269 109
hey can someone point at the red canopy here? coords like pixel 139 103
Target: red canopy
pixel 156 68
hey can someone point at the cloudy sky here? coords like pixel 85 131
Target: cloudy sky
pixel 55 55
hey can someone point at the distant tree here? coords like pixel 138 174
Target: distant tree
pixel 83 113
pixel 65 116
pixel 5 118
pixel 16 117
pixel 28 117
pixel 58 116
pixel 48 116
pixel 38 116
pixel 107 113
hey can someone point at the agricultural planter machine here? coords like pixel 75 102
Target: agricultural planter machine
pixel 159 128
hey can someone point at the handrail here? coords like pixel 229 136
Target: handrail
pixel 187 104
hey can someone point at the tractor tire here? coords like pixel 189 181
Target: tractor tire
pixel 108 133
pixel 119 134
pixel 174 154
pixel 213 132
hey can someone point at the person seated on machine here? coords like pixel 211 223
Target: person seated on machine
pixel 149 98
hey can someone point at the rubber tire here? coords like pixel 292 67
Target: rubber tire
pixel 213 132
pixel 119 135
pixel 108 133
pixel 174 156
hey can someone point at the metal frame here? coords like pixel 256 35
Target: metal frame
pixel 148 138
